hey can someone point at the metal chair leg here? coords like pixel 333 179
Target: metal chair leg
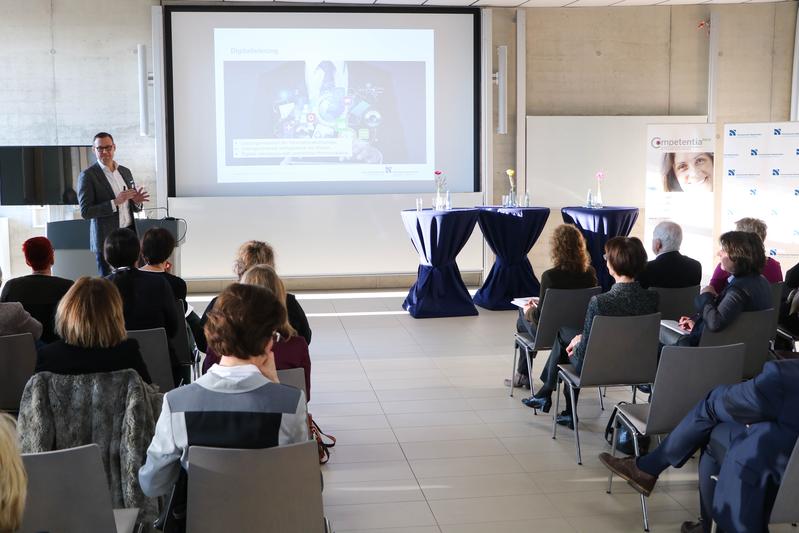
pixel 574 420
pixel 601 401
pixel 530 375
pixel 613 449
pixel 643 498
pixel 635 390
pixel 557 407
pixel 513 369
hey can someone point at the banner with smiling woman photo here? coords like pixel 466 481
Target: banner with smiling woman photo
pixel 679 186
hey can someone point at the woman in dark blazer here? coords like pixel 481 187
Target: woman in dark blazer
pixel 571 270
pixel 742 255
pixel 626 258
pixel 92 330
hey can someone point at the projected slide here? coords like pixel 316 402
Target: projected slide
pixel 322 104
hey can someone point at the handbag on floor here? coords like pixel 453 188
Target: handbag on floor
pixel 323 440
pixel 624 435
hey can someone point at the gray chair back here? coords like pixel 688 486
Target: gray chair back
pixel 785 509
pixel 562 307
pixel 674 303
pixel 17 364
pixel 622 350
pixel 685 375
pixel 180 341
pixel 155 352
pixel 776 302
pixel 751 328
pixel 294 377
pixel 276 490
pixel 67 492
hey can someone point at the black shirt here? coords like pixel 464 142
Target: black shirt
pixel 39 294
pixel 62 358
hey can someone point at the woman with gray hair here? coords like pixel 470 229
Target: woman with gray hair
pixel 772 271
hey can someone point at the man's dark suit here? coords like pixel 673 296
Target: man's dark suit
pixel 94 196
pixel 671 270
pixel 747 432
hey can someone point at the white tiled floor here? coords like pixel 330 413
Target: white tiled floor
pixel 430 442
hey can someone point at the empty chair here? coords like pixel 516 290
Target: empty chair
pixel 621 350
pixel 674 303
pixel 17 364
pixel 776 302
pixel 753 329
pixel 685 375
pixel 255 491
pixel 68 493
pixel 294 377
pixel 785 510
pixel 561 307
pixel 155 352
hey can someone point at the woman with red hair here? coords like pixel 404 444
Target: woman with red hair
pixel 40 291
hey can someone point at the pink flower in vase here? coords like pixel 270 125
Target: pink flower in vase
pixel 600 176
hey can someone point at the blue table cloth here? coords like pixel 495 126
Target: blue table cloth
pixel 510 232
pixel 598 226
pixel 438 237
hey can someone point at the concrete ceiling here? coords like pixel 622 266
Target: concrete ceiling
pixel 512 3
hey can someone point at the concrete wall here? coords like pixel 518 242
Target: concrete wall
pixel 647 61
pixel 68 70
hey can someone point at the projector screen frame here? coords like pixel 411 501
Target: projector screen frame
pixel 168 10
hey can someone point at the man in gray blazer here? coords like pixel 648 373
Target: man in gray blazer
pixel 108 197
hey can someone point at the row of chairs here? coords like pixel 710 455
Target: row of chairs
pixel 274 490
pixel 18 359
pixel 567 307
pixel 228 489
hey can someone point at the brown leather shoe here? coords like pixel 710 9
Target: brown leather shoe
pixel 625 468
pixel 691 527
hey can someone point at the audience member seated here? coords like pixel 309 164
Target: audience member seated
pixel 147 298
pixel 157 246
pixel 39 292
pixel 789 307
pixel 13 480
pixel 670 269
pixel 238 403
pixel 253 253
pixel 292 350
pixel 746 433
pixel 741 255
pixel 571 270
pixel 14 319
pixel 626 259
pixel 771 270
pixel 92 333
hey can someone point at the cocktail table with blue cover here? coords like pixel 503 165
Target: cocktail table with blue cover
pixel 598 225
pixel 510 232
pixel 438 237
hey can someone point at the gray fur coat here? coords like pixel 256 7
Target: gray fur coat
pixel 115 410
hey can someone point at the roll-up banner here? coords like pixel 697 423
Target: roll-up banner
pixel 680 187
pixel 761 180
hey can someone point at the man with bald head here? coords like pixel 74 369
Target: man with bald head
pixel 670 269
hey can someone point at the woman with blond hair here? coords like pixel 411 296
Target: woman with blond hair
pixel 91 325
pixel 292 350
pixel 253 253
pixel 571 270
pixel 13 480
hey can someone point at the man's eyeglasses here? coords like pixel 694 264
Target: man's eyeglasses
pixel 276 336
pixel 105 148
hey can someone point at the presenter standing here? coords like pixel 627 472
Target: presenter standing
pixel 108 197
